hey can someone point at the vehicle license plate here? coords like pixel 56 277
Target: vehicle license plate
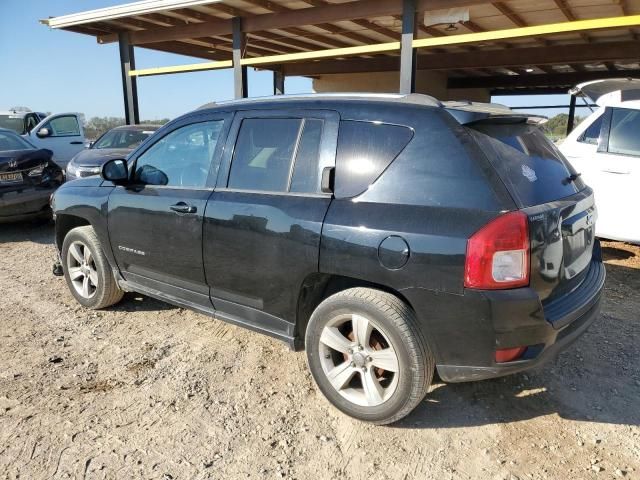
pixel 10 177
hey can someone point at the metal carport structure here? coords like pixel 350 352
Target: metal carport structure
pixel 502 47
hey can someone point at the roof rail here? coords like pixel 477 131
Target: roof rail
pixel 414 98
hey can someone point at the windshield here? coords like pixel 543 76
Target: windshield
pixel 12 122
pixel 11 141
pixel 530 165
pixel 122 138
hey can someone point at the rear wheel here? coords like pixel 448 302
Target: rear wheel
pixel 87 271
pixel 368 355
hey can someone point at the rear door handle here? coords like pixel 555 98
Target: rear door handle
pixel 76 143
pixel 182 207
pixel 617 172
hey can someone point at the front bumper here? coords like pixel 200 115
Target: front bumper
pixel 465 331
pixel 25 204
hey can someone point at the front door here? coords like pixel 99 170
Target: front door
pixel 263 223
pixel 155 223
pixel 62 134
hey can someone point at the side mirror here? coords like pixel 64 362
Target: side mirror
pixel 328 179
pixel 115 171
pixel 43 132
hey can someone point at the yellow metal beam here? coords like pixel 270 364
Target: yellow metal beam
pixel 194 67
pixel 534 31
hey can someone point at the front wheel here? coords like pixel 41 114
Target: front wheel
pixel 368 355
pixel 87 271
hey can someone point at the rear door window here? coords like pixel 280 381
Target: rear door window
pixel 624 136
pixel 365 150
pixel 530 165
pixel 264 153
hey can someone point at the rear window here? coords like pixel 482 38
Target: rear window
pixel 365 150
pixel 529 164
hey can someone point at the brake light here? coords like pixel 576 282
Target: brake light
pixel 498 254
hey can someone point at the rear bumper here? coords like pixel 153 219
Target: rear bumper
pixel 480 322
pixel 25 204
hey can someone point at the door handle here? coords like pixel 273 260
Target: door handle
pixel 76 143
pixel 617 172
pixel 182 207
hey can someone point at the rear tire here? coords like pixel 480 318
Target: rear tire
pixel 87 270
pixel 368 355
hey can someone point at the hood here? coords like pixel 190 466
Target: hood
pixel 17 160
pixel 608 91
pixel 94 157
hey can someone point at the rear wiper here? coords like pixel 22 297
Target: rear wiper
pixel 571 178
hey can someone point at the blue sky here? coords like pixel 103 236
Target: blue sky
pixel 56 71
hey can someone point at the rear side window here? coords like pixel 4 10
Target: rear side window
pixel 365 150
pixel 624 136
pixel 530 165
pixel 592 134
pixel 263 154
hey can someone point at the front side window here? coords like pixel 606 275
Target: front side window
pixel 183 158
pixel 264 153
pixel 592 134
pixel 624 136
pixel 66 126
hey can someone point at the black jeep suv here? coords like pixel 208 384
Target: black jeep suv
pixel 390 236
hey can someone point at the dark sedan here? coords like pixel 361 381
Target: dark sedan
pixel 116 143
pixel 28 177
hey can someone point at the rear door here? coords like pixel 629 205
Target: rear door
pixel 617 174
pixel 155 223
pixel 64 136
pixel 263 223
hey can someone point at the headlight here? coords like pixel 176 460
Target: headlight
pixel 80 171
pixel 37 171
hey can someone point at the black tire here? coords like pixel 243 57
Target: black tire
pixel 397 322
pixel 106 292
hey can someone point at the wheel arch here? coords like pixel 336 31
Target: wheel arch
pixel 319 286
pixel 65 223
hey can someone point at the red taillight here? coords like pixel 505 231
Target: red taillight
pixel 498 254
pixel 509 354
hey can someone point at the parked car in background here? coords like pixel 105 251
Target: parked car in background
pixel 605 149
pixel 116 143
pixel 28 177
pixel 62 134
pixel 20 121
pixel 389 235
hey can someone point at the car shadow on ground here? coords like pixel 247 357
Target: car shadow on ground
pixel 37 231
pixel 597 379
pixel 136 302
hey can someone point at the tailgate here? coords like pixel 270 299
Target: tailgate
pixel 545 186
pixel 562 235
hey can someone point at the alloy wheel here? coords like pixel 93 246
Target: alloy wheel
pixel 82 270
pixel 359 360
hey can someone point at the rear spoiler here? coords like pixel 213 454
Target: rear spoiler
pixel 467 113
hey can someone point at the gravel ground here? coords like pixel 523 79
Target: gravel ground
pixel 148 390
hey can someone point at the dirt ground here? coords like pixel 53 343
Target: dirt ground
pixel 147 390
